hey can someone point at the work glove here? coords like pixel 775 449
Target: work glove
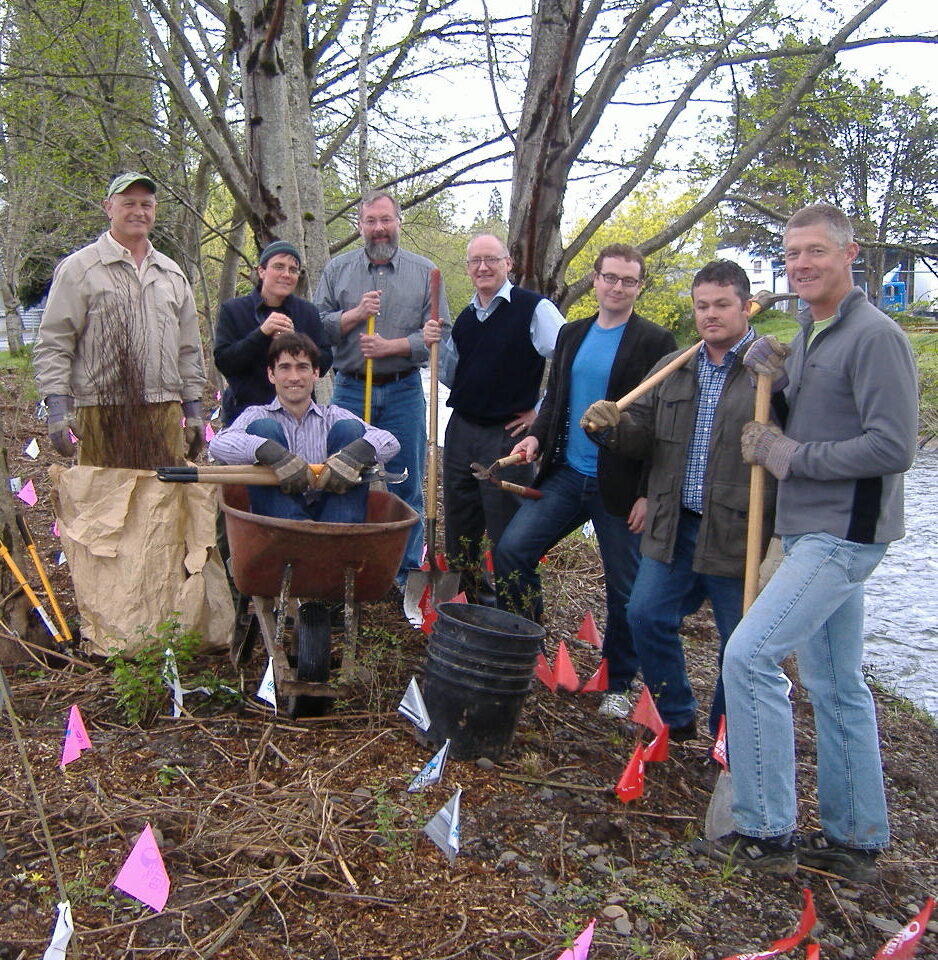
pixel 61 411
pixel 767 356
pixel 766 445
pixel 194 430
pixel 342 470
pixel 601 415
pixel 292 471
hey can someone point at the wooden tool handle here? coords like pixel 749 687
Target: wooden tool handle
pixel 434 400
pixel 529 492
pixel 652 381
pixel 756 499
pixel 509 461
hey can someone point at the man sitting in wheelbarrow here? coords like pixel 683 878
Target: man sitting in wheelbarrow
pixel 292 432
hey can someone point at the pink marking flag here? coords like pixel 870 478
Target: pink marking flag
pixel 28 494
pixel 905 943
pixel 460 597
pixel 719 745
pixel 588 631
pixel 581 946
pixel 631 784
pixel 657 750
pixel 76 737
pixel 564 673
pixel 646 713
pixel 807 921
pixel 143 875
pixel 544 673
pixel 599 681
pixel 55 529
pixel 209 433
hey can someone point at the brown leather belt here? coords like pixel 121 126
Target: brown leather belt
pixel 380 379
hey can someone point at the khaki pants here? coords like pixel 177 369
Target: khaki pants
pixel 137 437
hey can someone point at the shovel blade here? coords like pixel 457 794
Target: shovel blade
pixel 719 820
pixel 443 585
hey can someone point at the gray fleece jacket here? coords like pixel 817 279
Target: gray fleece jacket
pixel 852 405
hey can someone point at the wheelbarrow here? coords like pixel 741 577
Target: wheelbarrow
pixel 319 565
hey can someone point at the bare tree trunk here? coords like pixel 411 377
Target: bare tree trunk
pixel 364 180
pixel 14 323
pixel 285 190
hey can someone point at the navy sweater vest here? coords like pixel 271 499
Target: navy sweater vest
pixel 499 371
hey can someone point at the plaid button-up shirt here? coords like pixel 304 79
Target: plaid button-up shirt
pixel 710 382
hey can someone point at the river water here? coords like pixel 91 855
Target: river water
pixel 902 597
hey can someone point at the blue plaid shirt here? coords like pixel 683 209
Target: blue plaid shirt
pixel 710 381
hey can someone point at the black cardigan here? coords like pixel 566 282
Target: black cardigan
pixel 643 344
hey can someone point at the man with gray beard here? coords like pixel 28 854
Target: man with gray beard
pixel 392 285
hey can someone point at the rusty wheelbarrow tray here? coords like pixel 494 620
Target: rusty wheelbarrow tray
pixel 320 564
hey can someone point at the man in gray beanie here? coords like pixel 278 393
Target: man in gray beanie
pixel 247 325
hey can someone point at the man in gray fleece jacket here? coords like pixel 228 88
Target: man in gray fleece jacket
pixel 848 401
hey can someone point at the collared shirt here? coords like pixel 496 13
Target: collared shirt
pixel 710 382
pixel 546 323
pixel 404 282
pixel 120 252
pixel 306 437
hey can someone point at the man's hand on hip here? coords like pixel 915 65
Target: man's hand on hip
pixel 521 423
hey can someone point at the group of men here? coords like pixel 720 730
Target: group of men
pixel 664 483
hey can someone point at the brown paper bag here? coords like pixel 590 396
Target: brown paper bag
pixel 138 550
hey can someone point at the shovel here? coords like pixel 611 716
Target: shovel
pixel 444 585
pixel 719 819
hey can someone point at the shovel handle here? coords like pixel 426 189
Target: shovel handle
pixel 432 469
pixel 756 499
pixel 652 381
pixel 369 373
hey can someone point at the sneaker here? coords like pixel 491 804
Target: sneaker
pixel 615 705
pixel 822 853
pixel 684 733
pixel 761 854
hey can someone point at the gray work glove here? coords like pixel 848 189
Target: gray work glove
pixel 61 410
pixel 195 428
pixel 292 471
pixel 603 415
pixel 767 356
pixel 766 445
pixel 343 470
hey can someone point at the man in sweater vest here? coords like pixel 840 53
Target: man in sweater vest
pixel 493 365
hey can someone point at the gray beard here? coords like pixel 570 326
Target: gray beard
pixel 380 251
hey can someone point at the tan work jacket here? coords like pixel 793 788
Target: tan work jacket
pixel 102 310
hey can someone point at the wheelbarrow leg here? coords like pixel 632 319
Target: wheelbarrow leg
pixel 350 651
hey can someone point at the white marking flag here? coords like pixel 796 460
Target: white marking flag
pixel 268 689
pixel 443 827
pixel 432 772
pixel 413 708
pixel 61 934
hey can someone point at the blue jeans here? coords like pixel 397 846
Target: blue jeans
pixel 570 498
pixel 662 595
pixel 399 408
pixel 351 507
pixel 813 606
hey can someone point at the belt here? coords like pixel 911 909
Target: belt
pixel 380 379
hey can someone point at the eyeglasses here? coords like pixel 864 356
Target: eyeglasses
pixel 378 221
pixel 629 283
pixel 473 263
pixel 283 268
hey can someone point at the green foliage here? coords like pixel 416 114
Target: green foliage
pixel 138 680
pixel 669 271
pixel 398 826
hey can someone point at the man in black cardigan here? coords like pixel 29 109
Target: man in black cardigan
pixel 603 356
pixel 247 325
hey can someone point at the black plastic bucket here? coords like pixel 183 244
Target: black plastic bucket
pixel 480 665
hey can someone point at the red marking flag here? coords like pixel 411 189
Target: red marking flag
pixel 599 681
pixel 906 942
pixel 631 784
pixel 719 745
pixel 588 631
pixel 544 673
pixel 657 750
pixel 646 713
pixel 564 673
pixel 807 921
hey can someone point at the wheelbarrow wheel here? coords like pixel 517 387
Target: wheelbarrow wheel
pixel 313 657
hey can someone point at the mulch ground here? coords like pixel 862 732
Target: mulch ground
pixel 297 838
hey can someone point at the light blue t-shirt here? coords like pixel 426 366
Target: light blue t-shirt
pixel 589 378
